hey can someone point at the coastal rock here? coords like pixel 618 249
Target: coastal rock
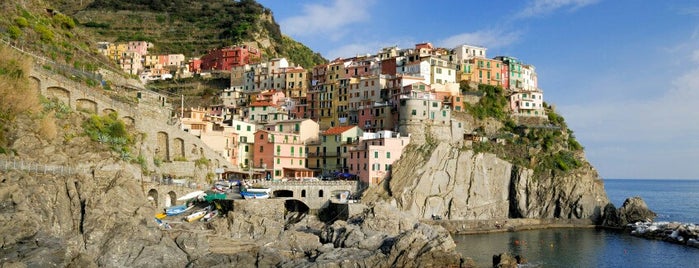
pixel 506 260
pixel 633 210
pixel 456 184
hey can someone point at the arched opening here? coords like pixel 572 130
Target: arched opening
pixel 129 121
pixel 35 83
pixel 162 151
pixel 153 197
pixel 320 193
pixel 303 193
pixel 283 193
pixel 59 93
pixel 170 199
pixel 178 148
pixel 87 105
pixel 107 111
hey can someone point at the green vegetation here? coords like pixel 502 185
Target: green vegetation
pixel 111 130
pixel 550 150
pixel 180 159
pixel 299 53
pixel 202 162
pixel 61 109
pixel 18 97
pixel 492 104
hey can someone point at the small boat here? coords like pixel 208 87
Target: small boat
pixel 191 195
pixel 160 216
pixel 209 216
pixel 258 190
pixel 176 210
pixel 195 216
pixel 254 195
pixel 209 197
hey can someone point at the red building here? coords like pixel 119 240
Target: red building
pixel 225 58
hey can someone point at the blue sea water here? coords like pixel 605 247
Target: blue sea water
pixel 672 200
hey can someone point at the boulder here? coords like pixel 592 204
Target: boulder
pixel 506 260
pixel 633 210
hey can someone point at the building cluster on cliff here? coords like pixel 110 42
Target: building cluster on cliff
pixel 347 117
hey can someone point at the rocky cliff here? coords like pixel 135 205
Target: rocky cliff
pixel 458 184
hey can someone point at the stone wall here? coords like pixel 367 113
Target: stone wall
pixel 152 117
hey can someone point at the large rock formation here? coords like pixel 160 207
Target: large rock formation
pixel 458 184
pixel 633 210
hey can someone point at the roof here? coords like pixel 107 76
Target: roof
pixel 337 130
pixel 261 103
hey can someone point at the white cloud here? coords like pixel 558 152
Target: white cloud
pixel 651 138
pixel 542 7
pixel 486 38
pixel 328 19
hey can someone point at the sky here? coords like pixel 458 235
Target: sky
pixel 624 73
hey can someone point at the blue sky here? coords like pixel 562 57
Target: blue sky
pixel 624 74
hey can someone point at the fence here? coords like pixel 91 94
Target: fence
pixel 32 167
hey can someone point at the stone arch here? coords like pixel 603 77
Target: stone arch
pixel 129 121
pixel 178 147
pixel 162 149
pixel 320 193
pixel 59 93
pixel 86 105
pixel 194 149
pixel 153 197
pixel 170 199
pixel 107 111
pixel 283 193
pixel 35 83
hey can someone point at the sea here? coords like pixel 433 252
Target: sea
pixel 672 200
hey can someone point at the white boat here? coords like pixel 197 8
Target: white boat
pixel 195 216
pixel 190 195
pixel 258 190
pixel 254 195
pixel 209 216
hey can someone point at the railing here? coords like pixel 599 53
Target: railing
pixel 20 164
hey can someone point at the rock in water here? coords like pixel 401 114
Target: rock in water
pixel 633 210
pixel 506 260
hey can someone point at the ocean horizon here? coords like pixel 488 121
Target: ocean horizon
pixel 672 200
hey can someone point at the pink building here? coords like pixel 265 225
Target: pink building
pixel 372 158
pixel 140 47
pixel 282 155
pixel 226 58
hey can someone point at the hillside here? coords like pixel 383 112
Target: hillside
pixel 189 27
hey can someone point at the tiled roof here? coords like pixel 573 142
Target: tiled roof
pixel 337 130
pixel 261 103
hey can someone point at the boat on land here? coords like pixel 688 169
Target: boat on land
pixel 177 210
pixel 209 216
pixel 254 195
pixel 195 216
pixel 190 195
pixel 258 190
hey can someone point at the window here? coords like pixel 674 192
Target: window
pixel 388 155
pixel 320 193
pixel 300 162
pixel 246 149
pixel 237 127
pixel 444 113
pixel 303 193
pixel 277 172
pixel 248 128
pixel 278 160
pixel 292 151
pixel 434 104
pixel 279 149
pixel 376 154
pixel 262 148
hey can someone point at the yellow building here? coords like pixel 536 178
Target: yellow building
pixel 481 71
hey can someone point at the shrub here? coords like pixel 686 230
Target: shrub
pixel 14 31
pixel 63 21
pixel 180 159
pixel 21 22
pixel 111 130
pixel 44 32
pixel 203 161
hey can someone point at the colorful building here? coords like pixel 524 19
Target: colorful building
pixel 330 153
pixel 226 58
pixel 372 158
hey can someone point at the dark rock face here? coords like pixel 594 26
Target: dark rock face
pixel 506 260
pixel 633 210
